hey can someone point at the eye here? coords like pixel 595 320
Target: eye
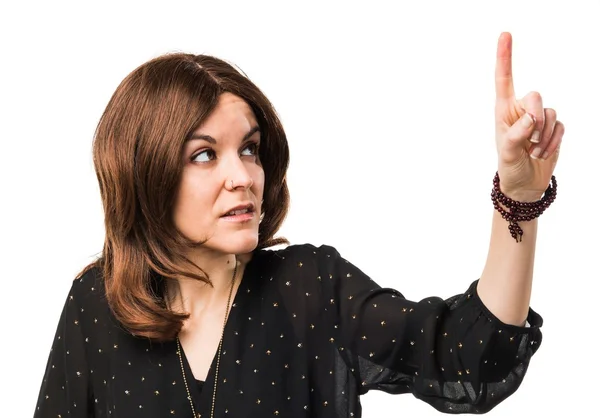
pixel 250 149
pixel 204 156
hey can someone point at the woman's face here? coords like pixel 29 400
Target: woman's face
pixel 222 172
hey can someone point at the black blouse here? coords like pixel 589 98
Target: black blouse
pixel 307 334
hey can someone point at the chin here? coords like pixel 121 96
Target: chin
pixel 240 242
pixel 246 246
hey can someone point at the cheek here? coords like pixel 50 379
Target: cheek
pixel 192 202
pixel 258 177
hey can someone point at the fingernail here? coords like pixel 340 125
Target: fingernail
pixel 545 156
pixel 528 120
pixel 535 137
pixel 536 153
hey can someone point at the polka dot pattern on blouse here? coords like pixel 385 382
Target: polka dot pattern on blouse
pixel 308 333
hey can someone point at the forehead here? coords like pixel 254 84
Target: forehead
pixel 231 115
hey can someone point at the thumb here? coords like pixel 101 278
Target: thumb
pixel 520 132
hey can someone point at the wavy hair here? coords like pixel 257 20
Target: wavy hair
pixel 137 154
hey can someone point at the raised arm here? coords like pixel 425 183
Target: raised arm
pixel 453 354
pixel 528 138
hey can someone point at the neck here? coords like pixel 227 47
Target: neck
pixel 196 297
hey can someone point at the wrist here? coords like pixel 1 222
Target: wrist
pixel 522 195
pixel 515 208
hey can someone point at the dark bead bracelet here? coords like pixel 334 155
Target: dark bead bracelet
pixel 521 211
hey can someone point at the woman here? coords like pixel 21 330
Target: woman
pixel 188 313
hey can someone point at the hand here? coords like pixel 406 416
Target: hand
pixel 528 137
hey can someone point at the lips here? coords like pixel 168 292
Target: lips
pixel 240 210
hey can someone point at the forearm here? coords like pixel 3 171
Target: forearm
pixel 505 284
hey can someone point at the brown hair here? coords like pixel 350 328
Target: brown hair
pixel 137 153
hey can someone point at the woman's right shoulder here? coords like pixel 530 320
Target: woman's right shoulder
pixel 90 275
pixel 88 291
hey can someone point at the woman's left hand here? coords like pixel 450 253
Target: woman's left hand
pixel 528 136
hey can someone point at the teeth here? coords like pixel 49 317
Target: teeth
pixel 237 212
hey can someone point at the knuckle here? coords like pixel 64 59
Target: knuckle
pixel 534 96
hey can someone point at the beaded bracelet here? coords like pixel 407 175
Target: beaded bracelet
pixel 521 211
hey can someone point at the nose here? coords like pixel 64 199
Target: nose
pixel 237 176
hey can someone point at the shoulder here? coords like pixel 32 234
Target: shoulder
pixel 88 284
pixel 299 262
pixel 87 296
pixel 301 253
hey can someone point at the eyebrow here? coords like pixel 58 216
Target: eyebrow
pixel 214 141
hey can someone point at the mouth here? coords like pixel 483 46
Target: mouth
pixel 241 211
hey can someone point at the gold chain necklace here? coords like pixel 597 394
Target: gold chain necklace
pixel 187 389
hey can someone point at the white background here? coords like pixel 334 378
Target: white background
pixel 389 113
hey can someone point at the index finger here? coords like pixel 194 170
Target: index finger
pixel 504 77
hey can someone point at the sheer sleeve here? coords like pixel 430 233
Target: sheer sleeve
pixel 65 389
pixel 453 354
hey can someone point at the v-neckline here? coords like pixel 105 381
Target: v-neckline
pixel 200 399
